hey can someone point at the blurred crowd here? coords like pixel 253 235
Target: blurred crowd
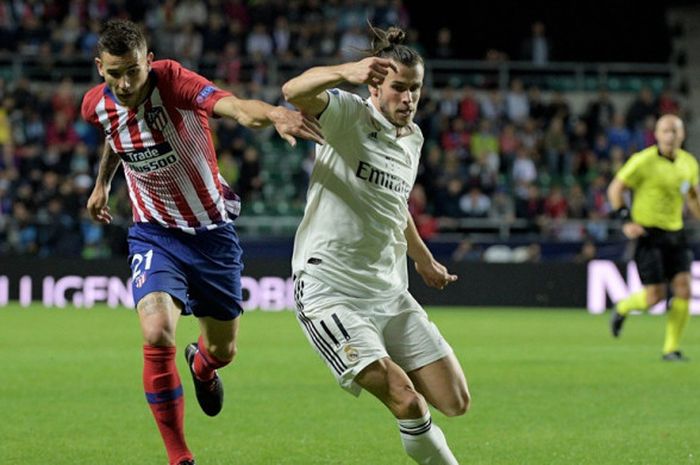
pixel 511 155
pixel 514 154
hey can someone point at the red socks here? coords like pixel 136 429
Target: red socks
pixel 204 363
pixel 164 395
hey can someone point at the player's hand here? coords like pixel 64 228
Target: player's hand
pixel 632 230
pixel 97 205
pixel 290 123
pixel 435 274
pixel 371 71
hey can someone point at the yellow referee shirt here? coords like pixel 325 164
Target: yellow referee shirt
pixel 659 186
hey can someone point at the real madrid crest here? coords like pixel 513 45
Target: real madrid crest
pixel 351 353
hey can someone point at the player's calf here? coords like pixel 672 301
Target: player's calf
pixel 208 386
pixel 425 442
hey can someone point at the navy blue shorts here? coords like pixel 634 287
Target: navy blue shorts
pixel 203 271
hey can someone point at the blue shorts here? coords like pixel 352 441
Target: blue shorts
pixel 203 271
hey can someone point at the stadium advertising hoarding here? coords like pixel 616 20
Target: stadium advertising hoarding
pixel 607 282
pixel 267 284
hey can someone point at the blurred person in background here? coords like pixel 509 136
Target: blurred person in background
pixel 662 177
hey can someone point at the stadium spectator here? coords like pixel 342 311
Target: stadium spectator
pixel 618 134
pixel 475 204
pixel 351 280
pixel 185 256
pixel 493 106
pixel 668 103
pixel 600 113
pixel 663 178
pixel 426 224
pixel 466 251
pixel 556 147
pixel 537 48
pixel 469 109
pixel 352 42
pixel 644 105
pixel 539 111
pixel 588 252
pixel 444 49
pixel 517 104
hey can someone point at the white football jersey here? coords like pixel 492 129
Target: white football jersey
pixel 352 234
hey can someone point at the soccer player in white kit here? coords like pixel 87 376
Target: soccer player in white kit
pixel 349 263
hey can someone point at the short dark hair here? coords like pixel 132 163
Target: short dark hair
pixel 119 37
pixel 389 44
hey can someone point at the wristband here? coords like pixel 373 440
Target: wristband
pixel 623 213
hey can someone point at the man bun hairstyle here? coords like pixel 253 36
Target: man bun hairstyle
pixel 389 44
pixel 119 37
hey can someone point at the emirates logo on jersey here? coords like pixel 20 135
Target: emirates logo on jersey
pixel 156 119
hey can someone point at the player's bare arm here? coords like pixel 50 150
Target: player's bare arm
pixel 258 114
pixel 434 273
pixel 97 203
pixel 306 91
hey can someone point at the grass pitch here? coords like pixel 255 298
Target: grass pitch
pixel 549 387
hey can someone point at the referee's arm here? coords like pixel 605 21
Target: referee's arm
pixel 616 190
pixel 694 201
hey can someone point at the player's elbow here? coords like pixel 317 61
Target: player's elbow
pixel 288 92
pixel 292 95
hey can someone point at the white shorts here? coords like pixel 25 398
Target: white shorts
pixel 349 333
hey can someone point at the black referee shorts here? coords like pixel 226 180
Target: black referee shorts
pixel 660 255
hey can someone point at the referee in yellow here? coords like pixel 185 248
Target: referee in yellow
pixel 661 178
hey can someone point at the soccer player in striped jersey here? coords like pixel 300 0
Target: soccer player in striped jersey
pixel 663 178
pixel 349 263
pixel 185 256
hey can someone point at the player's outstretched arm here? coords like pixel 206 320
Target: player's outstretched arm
pixel 434 273
pixel 97 203
pixel 306 91
pixel 258 114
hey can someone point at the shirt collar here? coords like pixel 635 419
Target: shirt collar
pixel 388 125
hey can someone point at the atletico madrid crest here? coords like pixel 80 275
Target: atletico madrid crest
pixel 140 280
pixel 156 118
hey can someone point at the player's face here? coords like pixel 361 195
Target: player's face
pixel 397 97
pixel 669 133
pixel 126 75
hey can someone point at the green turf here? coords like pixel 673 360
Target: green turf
pixel 549 387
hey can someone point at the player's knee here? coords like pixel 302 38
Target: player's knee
pixel 158 336
pixel 456 406
pixel 223 352
pixel 681 290
pixel 409 404
pixel 655 295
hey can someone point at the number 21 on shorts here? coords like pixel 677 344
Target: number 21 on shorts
pixel 136 266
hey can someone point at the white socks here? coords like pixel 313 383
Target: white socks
pixel 424 442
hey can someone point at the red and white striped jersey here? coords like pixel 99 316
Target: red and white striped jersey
pixel 166 149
